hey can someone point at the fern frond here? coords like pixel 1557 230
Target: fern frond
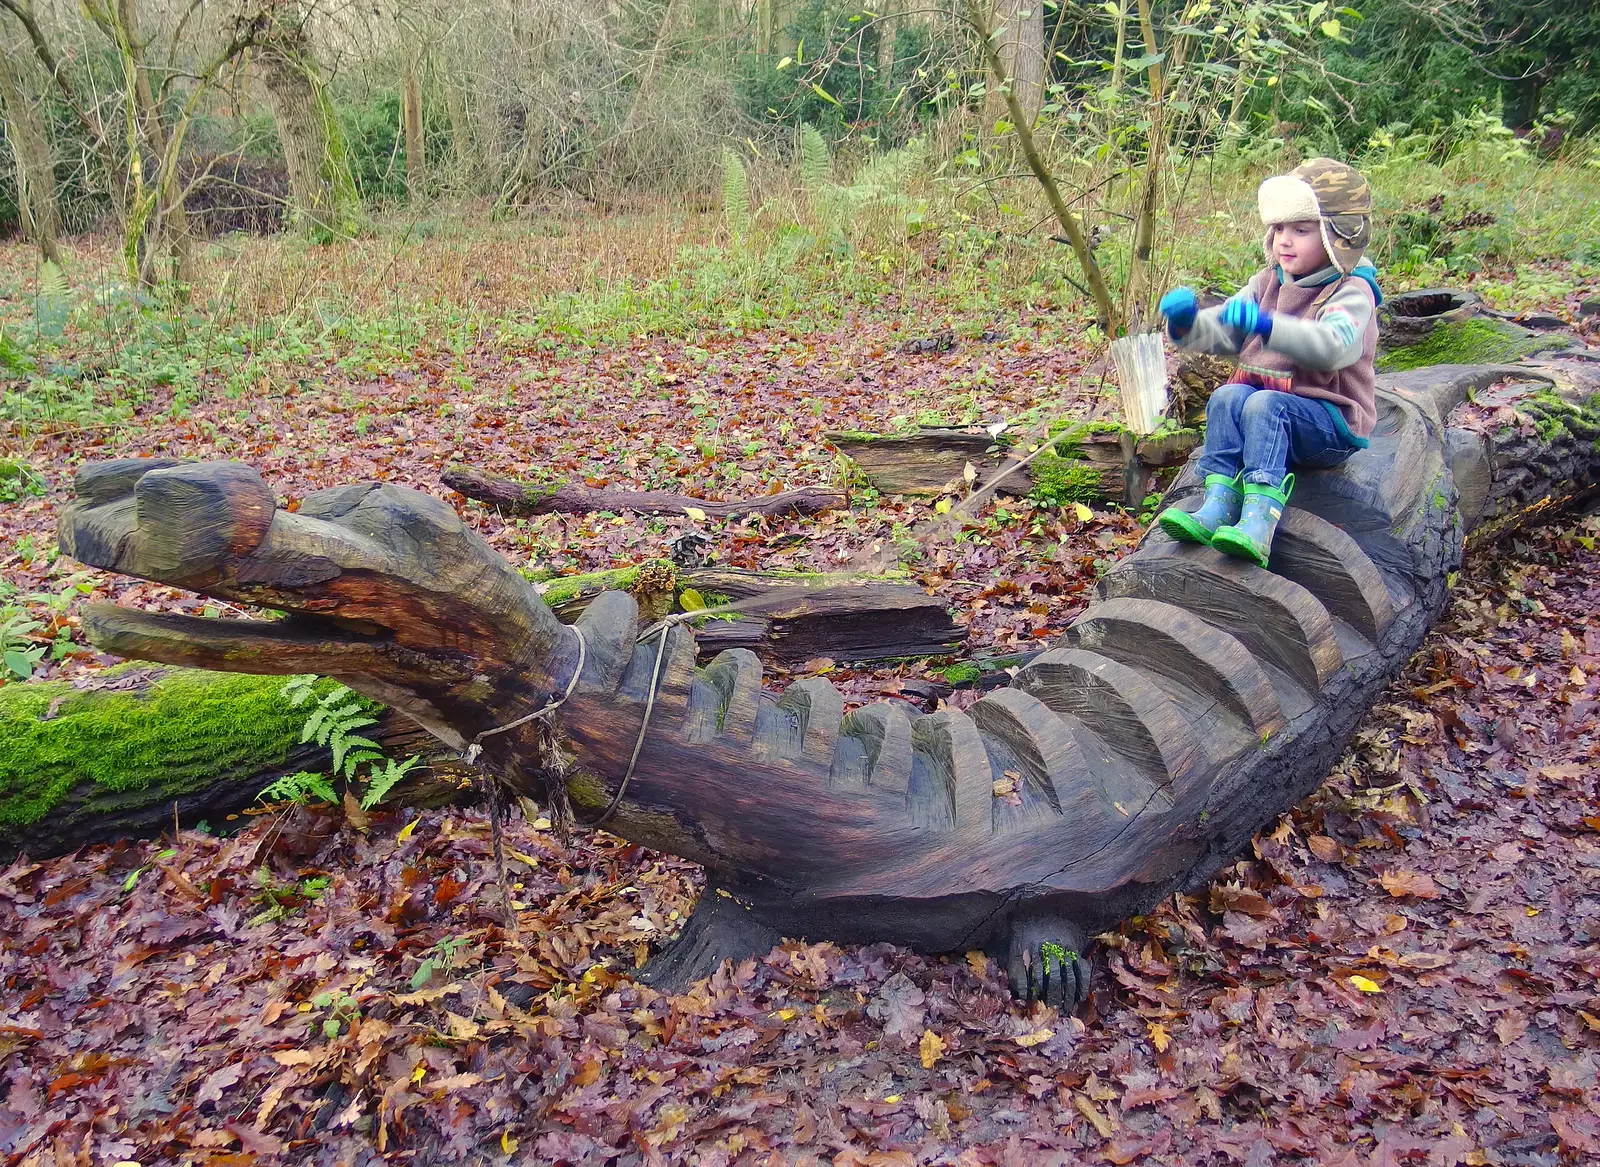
pixel 815 164
pixel 344 743
pixel 299 787
pixel 735 192
pixel 52 280
pixel 379 785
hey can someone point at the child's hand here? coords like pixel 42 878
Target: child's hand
pixel 1247 317
pixel 1179 307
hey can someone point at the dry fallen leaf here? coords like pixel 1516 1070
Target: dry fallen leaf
pixel 1365 985
pixel 930 1048
pixel 1409 883
pixel 1089 1111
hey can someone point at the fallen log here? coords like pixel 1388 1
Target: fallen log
pixel 126 751
pixel 1089 463
pixel 849 621
pixel 808 614
pixel 570 498
pixel 1194 701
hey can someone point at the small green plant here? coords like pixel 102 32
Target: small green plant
pixel 815 164
pixel 342 1010
pixel 441 957
pixel 735 193
pixel 18 480
pixel 19 653
pixel 281 900
pixel 380 782
pixel 334 718
pixel 303 786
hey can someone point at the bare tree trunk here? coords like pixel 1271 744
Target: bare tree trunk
pixel 411 119
pixel 888 26
pixel 314 149
pixel 156 234
pixel 36 180
pixel 1110 317
pixel 1021 50
pixel 461 140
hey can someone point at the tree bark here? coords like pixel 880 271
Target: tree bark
pixel 324 191
pixel 30 148
pixel 1071 225
pixel 411 118
pixel 533 498
pixel 1020 24
pixel 888 27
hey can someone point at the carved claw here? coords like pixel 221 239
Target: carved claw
pixel 1045 962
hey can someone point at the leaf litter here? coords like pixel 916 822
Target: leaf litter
pixel 1403 970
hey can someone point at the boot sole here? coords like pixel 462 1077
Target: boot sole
pixel 1182 526
pixel 1228 541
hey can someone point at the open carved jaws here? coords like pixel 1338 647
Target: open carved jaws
pixel 384 588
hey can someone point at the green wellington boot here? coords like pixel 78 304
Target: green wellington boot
pixel 1220 508
pixel 1251 536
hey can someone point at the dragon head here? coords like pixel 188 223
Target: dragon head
pixel 381 586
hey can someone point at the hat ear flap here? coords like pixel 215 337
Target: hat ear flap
pixel 1328 246
pixel 1266 246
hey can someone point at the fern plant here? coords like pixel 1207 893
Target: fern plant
pixel 815 165
pixel 300 787
pixel 54 301
pixel 380 782
pixel 335 717
pixel 735 192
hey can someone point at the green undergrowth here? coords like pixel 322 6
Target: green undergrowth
pixel 175 735
pixel 1474 341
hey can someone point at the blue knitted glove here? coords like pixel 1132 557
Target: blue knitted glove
pixel 1247 317
pixel 1179 307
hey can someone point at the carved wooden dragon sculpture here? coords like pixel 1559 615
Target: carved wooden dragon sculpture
pixel 1196 699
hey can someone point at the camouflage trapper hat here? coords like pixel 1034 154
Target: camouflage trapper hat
pixel 1334 194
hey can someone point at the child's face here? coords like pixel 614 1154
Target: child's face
pixel 1298 247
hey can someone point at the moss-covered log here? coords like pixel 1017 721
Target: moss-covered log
pixel 122 753
pixel 1475 340
pixel 1089 462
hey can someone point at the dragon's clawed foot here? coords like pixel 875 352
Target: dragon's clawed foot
pixel 1045 961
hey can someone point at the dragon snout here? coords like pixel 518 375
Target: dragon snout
pixel 168 521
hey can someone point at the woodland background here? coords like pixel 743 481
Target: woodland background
pixel 670 245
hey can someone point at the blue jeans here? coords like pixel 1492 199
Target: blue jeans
pixel 1264 432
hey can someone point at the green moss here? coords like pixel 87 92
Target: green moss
pixel 857 436
pixel 1058 481
pixel 535 493
pixel 174 737
pixel 961 673
pixel 563 589
pixel 1474 341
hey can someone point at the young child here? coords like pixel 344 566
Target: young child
pixel 1304 330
